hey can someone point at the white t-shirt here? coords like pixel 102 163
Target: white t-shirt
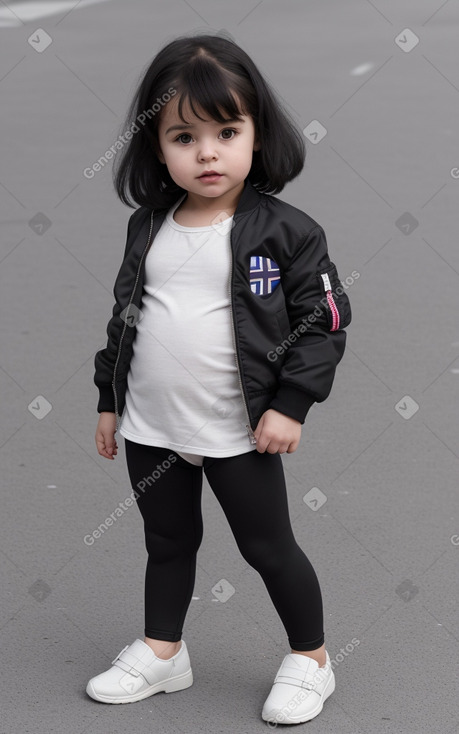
pixel 183 390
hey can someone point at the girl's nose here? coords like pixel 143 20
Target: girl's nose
pixel 207 152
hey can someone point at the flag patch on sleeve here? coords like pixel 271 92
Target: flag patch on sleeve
pixel 264 275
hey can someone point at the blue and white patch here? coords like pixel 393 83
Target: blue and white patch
pixel 264 275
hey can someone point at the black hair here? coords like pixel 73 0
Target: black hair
pixel 207 70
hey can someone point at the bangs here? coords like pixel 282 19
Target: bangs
pixel 205 87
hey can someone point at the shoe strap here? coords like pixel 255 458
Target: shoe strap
pixel 298 677
pixel 132 669
pixel 134 665
pixel 294 681
pixel 120 653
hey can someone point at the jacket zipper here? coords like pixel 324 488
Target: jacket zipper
pixel 250 433
pixel 331 302
pixel 118 417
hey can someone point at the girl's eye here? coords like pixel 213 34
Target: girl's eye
pixel 183 135
pixel 229 130
pixel 226 130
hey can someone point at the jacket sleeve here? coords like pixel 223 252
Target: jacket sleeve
pixel 318 310
pixel 104 360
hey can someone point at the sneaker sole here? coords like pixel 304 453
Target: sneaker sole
pixel 178 683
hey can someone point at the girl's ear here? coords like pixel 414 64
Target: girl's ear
pixel 257 144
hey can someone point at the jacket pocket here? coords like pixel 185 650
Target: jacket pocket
pixel 264 275
pixel 335 301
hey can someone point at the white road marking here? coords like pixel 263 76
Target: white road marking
pixel 362 69
pixel 11 17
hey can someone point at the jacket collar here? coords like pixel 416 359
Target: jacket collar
pixel 249 198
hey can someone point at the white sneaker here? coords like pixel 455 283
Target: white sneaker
pixel 299 691
pixel 137 673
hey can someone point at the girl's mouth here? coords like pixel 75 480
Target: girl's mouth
pixel 210 177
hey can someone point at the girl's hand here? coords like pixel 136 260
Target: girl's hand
pixel 277 433
pixel 105 435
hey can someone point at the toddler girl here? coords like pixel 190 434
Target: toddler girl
pixel 228 325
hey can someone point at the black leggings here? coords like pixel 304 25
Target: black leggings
pixel 251 490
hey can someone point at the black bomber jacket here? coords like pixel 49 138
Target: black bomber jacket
pixel 288 308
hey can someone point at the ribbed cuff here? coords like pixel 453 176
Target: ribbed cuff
pixel 106 400
pixel 292 402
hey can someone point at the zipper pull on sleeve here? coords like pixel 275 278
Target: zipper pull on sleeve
pixel 331 303
pixel 253 440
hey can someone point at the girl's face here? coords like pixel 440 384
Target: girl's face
pixel 190 149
